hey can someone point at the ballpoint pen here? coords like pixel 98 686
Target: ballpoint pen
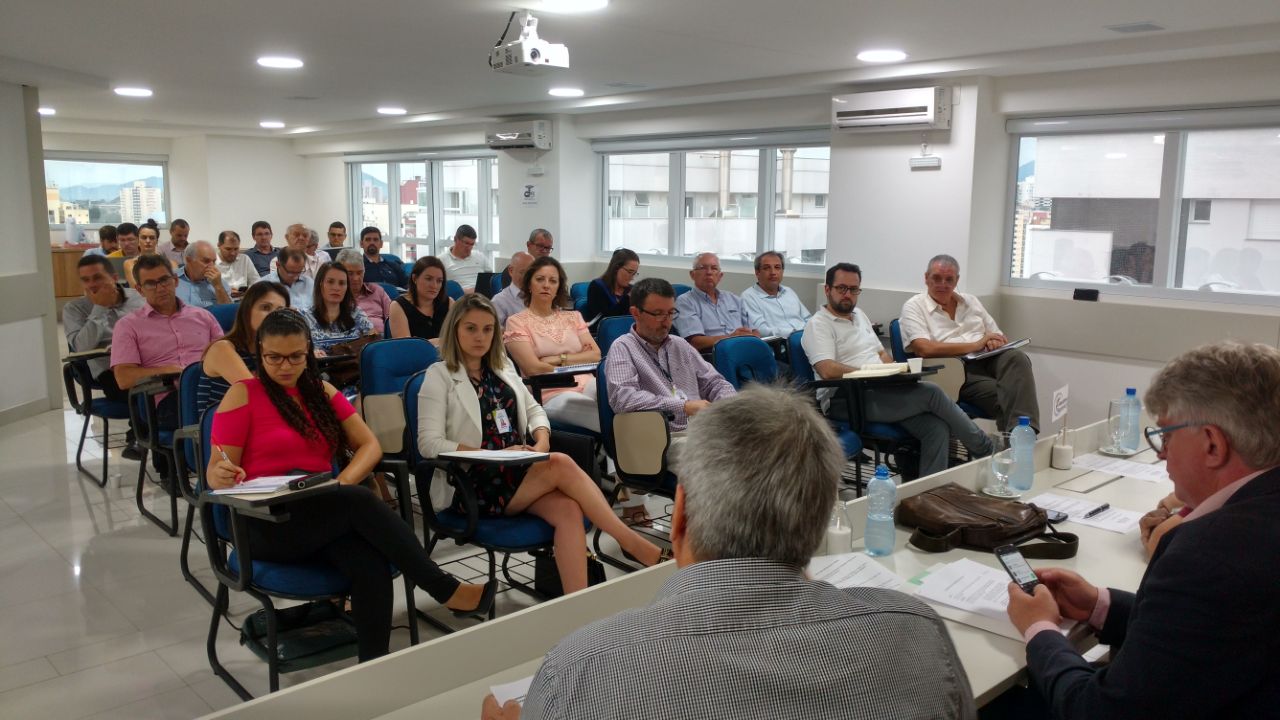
pixel 1098 510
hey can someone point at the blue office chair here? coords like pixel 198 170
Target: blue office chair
pixel 392 291
pixel 453 289
pixel 386 366
pixel 744 359
pixel 681 289
pixel 495 284
pixel 524 533
pixel 610 329
pixel 408 269
pixel 225 314
pixel 153 439
pixel 900 354
pixel 578 293
pixel 661 482
pixel 80 385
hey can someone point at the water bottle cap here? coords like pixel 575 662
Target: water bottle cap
pixel 1024 420
pixel 1131 391
pixel 882 470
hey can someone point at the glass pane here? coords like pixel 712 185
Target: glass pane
pixel 721 192
pixel 800 208
pixel 1086 207
pixel 638 187
pixel 98 193
pixel 1230 215
pixel 373 198
pixel 493 198
pixel 460 198
pixel 414 209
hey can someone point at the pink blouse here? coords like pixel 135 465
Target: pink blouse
pixel 552 335
pixel 270 446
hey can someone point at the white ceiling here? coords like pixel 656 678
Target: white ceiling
pixel 430 55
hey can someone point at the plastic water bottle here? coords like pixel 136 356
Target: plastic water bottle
pixel 1131 421
pixel 839 536
pixel 1023 441
pixel 882 495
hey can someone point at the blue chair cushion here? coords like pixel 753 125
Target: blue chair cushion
pixel 110 409
pixel 887 431
pixel 973 411
pixel 849 440
pixel 305 579
pixel 514 533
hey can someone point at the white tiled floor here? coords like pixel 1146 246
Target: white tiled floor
pixel 95 618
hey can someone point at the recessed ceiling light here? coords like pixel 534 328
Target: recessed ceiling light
pixel 751 137
pixel 133 92
pixel 566 92
pixel 573 6
pixel 389 110
pixel 882 56
pixel 271 124
pixel 47 111
pixel 1116 156
pixel 280 62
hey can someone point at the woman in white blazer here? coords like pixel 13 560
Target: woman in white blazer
pixel 474 399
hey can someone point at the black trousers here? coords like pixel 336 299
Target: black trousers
pixel 353 530
pixel 110 389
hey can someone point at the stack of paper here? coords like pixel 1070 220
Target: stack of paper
pixel 494 455
pixel 516 690
pixel 584 367
pixel 973 594
pixel 871 370
pixel 265 484
pixel 1113 519
pixel 848 570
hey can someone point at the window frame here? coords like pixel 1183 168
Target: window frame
pixel 1169 243
pixel 161 161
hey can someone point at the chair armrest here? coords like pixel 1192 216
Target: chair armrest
pixel 142 411
pixel 399 470
pixel 84 355
pixel 182 436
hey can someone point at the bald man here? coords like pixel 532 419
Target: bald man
pixel 511 300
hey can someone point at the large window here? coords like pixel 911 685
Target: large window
pixel 722 196
pixel 418 204
pixel 1157 211
pixel 89 191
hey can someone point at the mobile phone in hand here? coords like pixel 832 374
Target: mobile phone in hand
pixel 1017 567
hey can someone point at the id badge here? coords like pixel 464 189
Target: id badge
pixel 502 421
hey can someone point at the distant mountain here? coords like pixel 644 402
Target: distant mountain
pixel 368 179
pixel 82 193
pixel 1026 170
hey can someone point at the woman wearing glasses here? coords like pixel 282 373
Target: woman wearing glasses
pixel 287 420
pixel 610 294
pixel 547 336
pixel 475 400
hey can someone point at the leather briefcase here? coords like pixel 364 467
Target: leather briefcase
pixel 952 516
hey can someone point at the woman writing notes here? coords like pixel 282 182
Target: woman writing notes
pixel 474 400
pixel 610 294
pixel 288 420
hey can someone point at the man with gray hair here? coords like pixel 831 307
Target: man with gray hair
pixel 1204 619
pixel 772 308
pixel 945 323
pixel 708 314
pixel 200 283
pixel 511 300
pixel 369 297
pixel 739 631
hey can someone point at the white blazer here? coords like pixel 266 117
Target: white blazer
pixel 449 411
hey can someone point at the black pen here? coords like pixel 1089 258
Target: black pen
pixel 1098 510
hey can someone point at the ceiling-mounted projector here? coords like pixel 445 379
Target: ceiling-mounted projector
pixel 529 54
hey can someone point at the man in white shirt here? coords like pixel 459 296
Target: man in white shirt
pixel 838 339
pixel 462 263
pixel 946 323
pixel 235 268
pixel 300 237
pixel 772 308
pixel 511 300
pixel 289 272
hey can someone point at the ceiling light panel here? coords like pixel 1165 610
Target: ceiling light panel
pixel 137 92
pixel 280 62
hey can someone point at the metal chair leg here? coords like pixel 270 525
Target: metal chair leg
pixel 211 645
pixel 183 560
pixel 84 432
pixel 172 526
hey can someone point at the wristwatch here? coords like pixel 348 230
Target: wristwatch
pixel 564 357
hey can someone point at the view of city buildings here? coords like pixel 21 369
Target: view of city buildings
pixel 96 193
pixel 412 204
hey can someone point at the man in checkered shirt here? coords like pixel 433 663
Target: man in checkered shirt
pixel 739 631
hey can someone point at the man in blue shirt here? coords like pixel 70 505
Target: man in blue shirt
pixel 379 267
pixel 708 315
pixel 200 283
pixel 262 252
pixel 771 308
pixel 289 273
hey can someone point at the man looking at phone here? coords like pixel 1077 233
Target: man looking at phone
pixel 1200 637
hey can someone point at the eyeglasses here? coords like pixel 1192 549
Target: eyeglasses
pixel 670 315
pixel 276 360
pixel 1158 436
pixel 707 268
pixel 544 248
pixel 631 272
pixel 152 285
pixel 845 290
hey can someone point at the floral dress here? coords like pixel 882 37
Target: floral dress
pixel 494 484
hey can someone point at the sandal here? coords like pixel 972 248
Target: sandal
pixel 635 515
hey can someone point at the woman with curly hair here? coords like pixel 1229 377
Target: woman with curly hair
pixel 288 420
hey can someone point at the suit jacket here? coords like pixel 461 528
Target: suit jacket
pixel 1200 638
pixel 449 411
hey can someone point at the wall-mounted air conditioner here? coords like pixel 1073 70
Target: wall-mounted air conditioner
pixel 525 134
pixel 926 108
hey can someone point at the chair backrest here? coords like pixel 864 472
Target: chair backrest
pixel 681 288
pixel 800 366
pixel 454 290
pixel 612 328
pixel 899 351
pixel 604 410
pixel 408 270
pixel 496 284
pixel 412 387
pixel 225 314
pixel 578 293
pixel 744 359
pixel 385 365
pixel 642 457
pixel 392 291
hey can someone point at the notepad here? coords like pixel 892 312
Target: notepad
pixel 499 456
pixel 847 570
pixel 871 370
pixel 1128 468
pixel 584 367
pixel 974 594
pixel 259 485
pixel 984 354
pixel 1113 519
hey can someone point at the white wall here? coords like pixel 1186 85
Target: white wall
pixel 254 179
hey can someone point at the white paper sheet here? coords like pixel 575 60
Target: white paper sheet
pixel 986 617
pixel 848 570
pixel 494 455
pixel 264 484
pixel 1113 519
pixel 1119 466
pixel 515 690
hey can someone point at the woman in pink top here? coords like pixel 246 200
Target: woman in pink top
pixel 288 420
pixel 547 336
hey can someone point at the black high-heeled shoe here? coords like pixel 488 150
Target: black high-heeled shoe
pixel 482 608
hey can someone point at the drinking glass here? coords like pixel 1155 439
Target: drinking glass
pixel 1115 426
pixel 999 464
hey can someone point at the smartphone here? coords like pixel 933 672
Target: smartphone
pixel 1017 567
pixel 1055 516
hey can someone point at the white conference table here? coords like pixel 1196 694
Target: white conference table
pixel 449 676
